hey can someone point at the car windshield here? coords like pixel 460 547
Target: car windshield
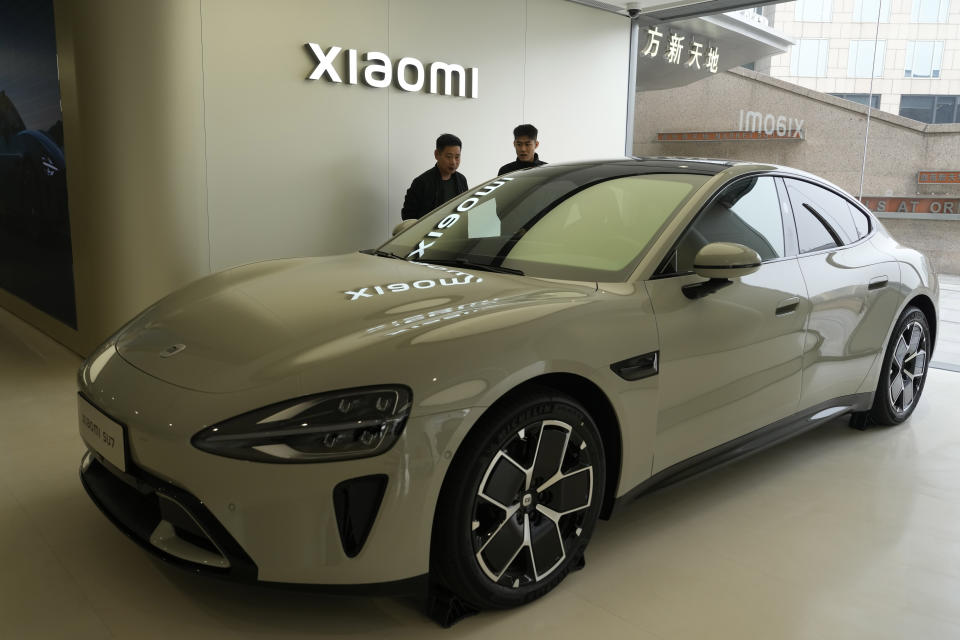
pixel 570 222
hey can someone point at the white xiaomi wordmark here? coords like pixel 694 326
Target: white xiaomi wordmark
pixel 410 73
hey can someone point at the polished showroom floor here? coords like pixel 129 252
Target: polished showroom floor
pixel 835 534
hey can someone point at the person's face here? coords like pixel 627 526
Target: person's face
pixel 525 148
pixel 448 159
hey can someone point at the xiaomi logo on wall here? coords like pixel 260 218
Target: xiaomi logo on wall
pixel 409 73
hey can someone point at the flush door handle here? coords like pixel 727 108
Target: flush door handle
pixel 788 306
pixel 877 283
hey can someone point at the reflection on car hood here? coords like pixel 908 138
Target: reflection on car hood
pixel 250 325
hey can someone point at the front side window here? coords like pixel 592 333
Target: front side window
pixel 864 56
pixel 560 222
pixel 746 212
pixel 809 58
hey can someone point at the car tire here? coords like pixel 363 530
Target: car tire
pixel 520 501
pixel 904 370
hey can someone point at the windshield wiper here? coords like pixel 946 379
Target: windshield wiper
pixel 382 254
pixel 463 262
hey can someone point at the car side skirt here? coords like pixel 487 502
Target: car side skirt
pixel 749 444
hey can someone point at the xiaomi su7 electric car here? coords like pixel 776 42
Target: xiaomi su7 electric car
pixel 463 403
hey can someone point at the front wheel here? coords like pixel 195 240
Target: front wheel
pixel 904 369
pixel 521 501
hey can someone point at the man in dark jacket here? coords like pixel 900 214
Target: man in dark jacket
pixel 437 184
pixel 525 142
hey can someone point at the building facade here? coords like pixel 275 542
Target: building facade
pixel 899 56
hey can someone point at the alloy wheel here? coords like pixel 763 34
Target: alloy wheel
pixel 531 503
pixel 907 367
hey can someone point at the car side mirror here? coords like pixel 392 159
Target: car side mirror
pixel 404 225
pixel 720 261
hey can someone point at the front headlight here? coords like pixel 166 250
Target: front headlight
pixel 355 423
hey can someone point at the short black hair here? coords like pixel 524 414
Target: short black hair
pixel 525 130
pixel 448 140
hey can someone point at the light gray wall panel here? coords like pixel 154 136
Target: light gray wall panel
pixel 295 167
pixel 575 80
pixel 489 36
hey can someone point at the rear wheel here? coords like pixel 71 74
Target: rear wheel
pixel 520 503
pixel 904 369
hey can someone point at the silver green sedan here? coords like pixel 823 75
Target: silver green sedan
pixel 457 408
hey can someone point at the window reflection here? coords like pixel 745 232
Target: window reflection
pixel 814 10
pixel 809 57
pixel 930 10
pixel 871 10
pixel 923 59
pixel 865 54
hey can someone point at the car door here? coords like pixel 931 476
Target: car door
pixel 852 291
pixel 730 362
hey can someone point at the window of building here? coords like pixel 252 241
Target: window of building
pixel 863 55
pixel 924 58
pixel 866 99
pixel 930 109
pixel 945 109
pixel 930 10
pixel 869 10
pixel 813 10
pixel 809 57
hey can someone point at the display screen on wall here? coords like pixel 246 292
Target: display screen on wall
pixel 36 258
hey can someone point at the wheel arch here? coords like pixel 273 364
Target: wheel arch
pixel 925 304
pixel 597 404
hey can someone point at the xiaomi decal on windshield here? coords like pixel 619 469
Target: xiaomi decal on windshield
pixel 451 219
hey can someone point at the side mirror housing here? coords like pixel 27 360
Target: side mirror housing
pixel 726 260
pixel 404 225
pixel 720 261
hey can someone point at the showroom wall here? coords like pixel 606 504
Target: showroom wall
pixel 195 140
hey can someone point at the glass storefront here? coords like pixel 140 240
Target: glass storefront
pixel 864 93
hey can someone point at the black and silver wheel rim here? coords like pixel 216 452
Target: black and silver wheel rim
pixel 531 505
pixel 907 367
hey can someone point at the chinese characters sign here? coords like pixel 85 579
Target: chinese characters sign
pixel 678 51
pixel 938 177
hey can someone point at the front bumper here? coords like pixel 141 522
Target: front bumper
pixel 288 524
pixel 176 527
pixel 153 513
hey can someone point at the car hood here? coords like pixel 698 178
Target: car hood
pixel 263 322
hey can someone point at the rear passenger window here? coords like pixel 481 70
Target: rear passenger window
pixel 812 235
pixel 845 222
pixel 860 220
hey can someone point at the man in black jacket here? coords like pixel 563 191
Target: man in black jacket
pixel 437 184
pixel 525 142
